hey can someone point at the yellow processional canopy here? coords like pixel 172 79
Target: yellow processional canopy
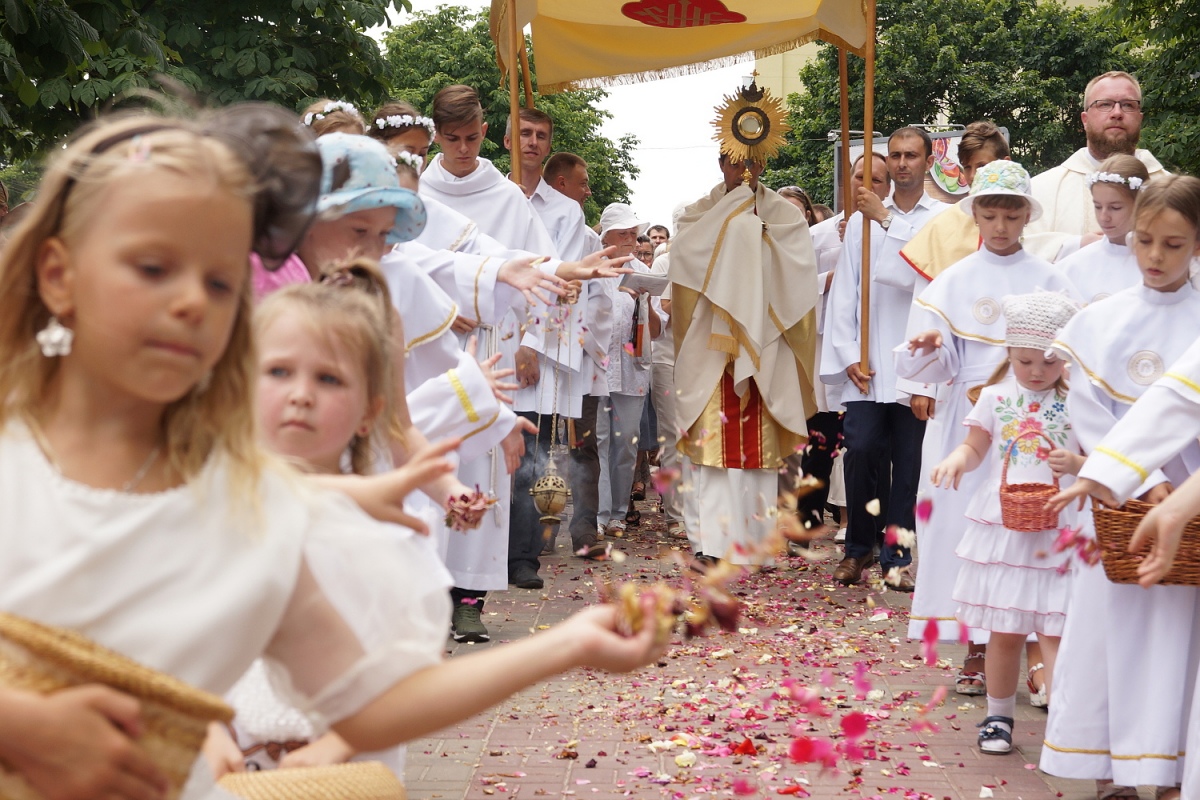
pixel 591 43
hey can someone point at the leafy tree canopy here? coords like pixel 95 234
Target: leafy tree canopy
pixel 60 60
pixel 1021 63
pixel 452 45
pixel 1168 32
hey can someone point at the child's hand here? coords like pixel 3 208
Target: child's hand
pixel 513 445
pixel 382 496
pixel 947 474
pixel 926 342
pixel 221 751
pixel 1064 462
pixel 329 749
pixel 494 376
pixel 522 275
pixel 1078 491
pixel 79 744
pixel 595 629
pixel 597 265
pixel 1160 530
pixel 1157 494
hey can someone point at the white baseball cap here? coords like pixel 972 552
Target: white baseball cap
pixel 619 216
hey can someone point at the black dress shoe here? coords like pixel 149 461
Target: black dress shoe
pixel 525 577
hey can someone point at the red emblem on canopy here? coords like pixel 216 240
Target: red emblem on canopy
pixel 681 13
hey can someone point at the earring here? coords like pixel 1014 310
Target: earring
pixel 55 339
pixel 202 385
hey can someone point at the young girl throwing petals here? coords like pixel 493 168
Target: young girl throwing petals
pixel 1129 656
pixel 136 505
pixel 1010 584
pixel 956 332
pixel 1106 267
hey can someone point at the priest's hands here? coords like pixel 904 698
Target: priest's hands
pixel 600 264
pixel 860 379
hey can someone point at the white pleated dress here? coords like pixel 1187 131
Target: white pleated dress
pixel 1012 581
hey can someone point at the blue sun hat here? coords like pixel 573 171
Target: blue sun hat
pixel 1002 177
pixel 357 174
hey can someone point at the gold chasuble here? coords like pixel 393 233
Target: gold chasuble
pixel 743 292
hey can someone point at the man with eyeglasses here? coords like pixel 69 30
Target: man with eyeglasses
pixel 1112 122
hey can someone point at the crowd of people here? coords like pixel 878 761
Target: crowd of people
pixel 198 310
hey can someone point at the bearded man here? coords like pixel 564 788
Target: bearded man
pixel 1112 121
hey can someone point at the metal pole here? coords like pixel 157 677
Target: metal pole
pixel 864 357
pixel 514 91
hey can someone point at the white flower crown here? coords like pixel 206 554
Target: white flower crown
pixel 412 159
pixel 1134 183
pixel 335 105
pixel 405 121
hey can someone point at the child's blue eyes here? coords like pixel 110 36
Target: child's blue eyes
pixel 332 380
pixel 278 372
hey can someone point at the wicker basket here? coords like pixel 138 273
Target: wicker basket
pixel 1114 530
pixel 175 716
pixel 359 780
pixel 1023 505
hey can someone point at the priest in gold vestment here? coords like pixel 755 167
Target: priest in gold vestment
pixel 743 293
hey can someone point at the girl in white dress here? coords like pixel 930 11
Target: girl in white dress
pixel 956 332
pixel 1106 267
pixel 136 505
pixel 1129 655
pixel 1010 583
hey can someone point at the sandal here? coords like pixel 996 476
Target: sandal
pixel 1107 790
pixel 994 738
pixel 1037 697
pixel 972 684
pixel 633 518
pixel 638 491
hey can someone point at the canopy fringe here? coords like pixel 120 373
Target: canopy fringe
pixel 693 69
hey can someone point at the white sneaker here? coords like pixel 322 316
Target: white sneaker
pixel 840 536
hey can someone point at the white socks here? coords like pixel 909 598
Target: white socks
pixel 1002 707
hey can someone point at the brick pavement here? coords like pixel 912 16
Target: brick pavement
pixel 591 735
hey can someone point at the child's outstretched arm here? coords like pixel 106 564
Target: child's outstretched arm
pixel 963 459
pixel 437 696
pixel 1162 529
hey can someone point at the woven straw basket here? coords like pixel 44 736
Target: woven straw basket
pixel 1114 530
pixel 359 780
pixel 1023 505
pixel 175 716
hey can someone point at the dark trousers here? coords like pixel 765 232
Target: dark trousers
pixel 824 438
pixel 525 531
pixel 585 475
pixel 883 462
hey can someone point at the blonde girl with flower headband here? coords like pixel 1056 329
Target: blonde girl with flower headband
pixel 136 504
pixel 403 129
pixel 332 116
pixel 1107 266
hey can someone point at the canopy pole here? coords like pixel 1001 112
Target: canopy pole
pixel 844 74
pixel 864 359
pixel 525 75
pixel 514 92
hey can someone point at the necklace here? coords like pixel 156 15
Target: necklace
pixel 126 487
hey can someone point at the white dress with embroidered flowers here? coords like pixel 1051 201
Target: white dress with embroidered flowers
pixel 1012 581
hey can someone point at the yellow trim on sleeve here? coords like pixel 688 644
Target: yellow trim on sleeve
pixel 1185 380
pixel 1133 465
pixel 464 399
pixel 482 427
pixel 478 272
pixel 433 334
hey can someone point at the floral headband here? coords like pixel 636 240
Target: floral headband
pixel 405 121
pixel 412 159
pixel 1134 183
pixel 336 105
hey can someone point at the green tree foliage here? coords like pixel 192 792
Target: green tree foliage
pixel 451 45
pixel 1021 63
pixel 62 60
pixel 1168 32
